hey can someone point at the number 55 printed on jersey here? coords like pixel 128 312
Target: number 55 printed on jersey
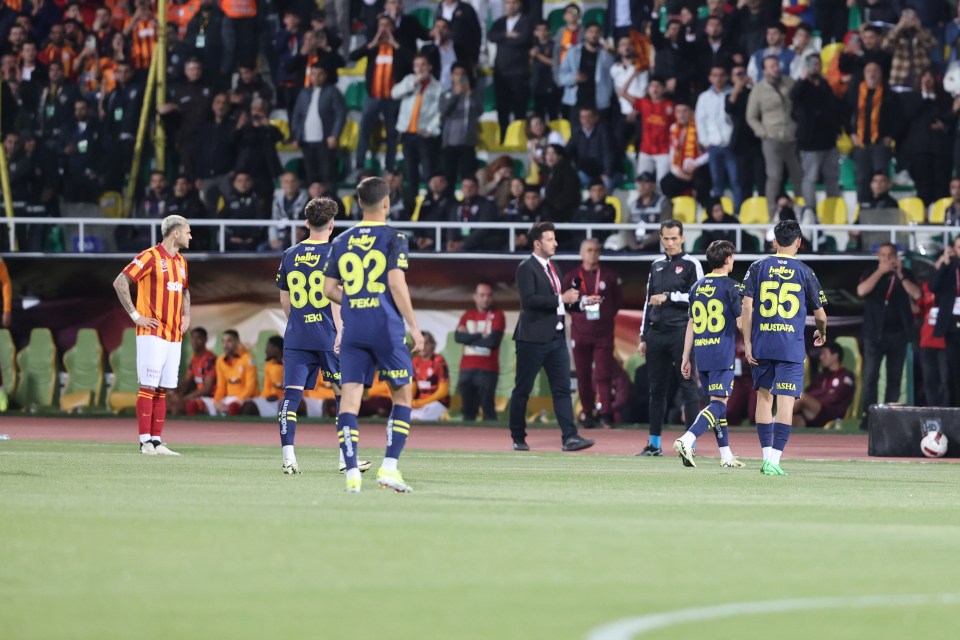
pixel 784 303
pixel 357 271
pixel 304 289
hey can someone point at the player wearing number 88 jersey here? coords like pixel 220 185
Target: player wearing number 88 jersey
pixel 778 291
pixel 711 337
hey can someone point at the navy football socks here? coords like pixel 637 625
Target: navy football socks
pixel 288 415
pixel 348 434
pixel 398 428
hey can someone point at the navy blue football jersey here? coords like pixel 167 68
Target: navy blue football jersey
pixel 715 305
pixel 360 258
pixel 784 292
pixel 310 325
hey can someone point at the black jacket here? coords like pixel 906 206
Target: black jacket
pixel 562 192
pixel 879 313
pixel 513 54
pixel 218 41
pixel 819 115
pixel 592 154
pixel 538 303
pixel 465 31
pixel 853 64
pixel 672 276
pixel 919 116
pixel 193 104
pixel 743 141
pixel 944 285
pixel 478 210
pixel 402 63
pixel 121 109
pixel 215 152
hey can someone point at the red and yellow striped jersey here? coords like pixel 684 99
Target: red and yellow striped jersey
pixel 143 37
pixel 64 55
pixel 161 282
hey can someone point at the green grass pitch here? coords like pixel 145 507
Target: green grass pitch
pixel 99 542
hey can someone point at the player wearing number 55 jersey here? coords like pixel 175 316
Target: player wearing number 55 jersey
pixel 712 336
pixel 162 314
pixel 778 291
pixel 370 260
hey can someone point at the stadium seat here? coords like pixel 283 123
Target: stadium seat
pixel 37 363
pixel 359 69
pixel 259 356
pixel 597 15
pixel 294 165
pixel 634 362
pixel 186 353
pixel 347 204
pixel 684 209
pixel 122 394
pixel 489 99
pixel 355 96
pixel 84 365
pixel 832 211
pixel 424 15
pixel 111 204
pixel 519 168
pixel 938 210
pixel 754 211
pixel 617 206
pixel 555 20
pixel 452 352
pixel 8 362
pixel 350 135
pixel 284 128
pixel 516 140
pixel 829 52
pixel 489 134
pixel 508 372
pixel 727 205
pixel 562 127
pixel 853 361
pixel 914 209
pixel 416 208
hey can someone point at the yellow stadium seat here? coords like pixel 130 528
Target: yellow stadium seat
pixel 754 211
pixel 350 135
pixel 416 209
pixel 684 209
pixel 562 127
pixel 914 209
pixel 359 69
pixel 489 135
pixel 615 203
pixel 284 128
pixel 347 204
pixel 727 204
pixel 832 211
pixel 844 144
pixel 938 210
pixel 830 52
pixel 111 203
pixel 516 139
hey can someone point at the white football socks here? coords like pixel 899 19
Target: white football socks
pixel 288 453
pixel 688 438
pixel 775 456
pixel 389 464
pixel 725 453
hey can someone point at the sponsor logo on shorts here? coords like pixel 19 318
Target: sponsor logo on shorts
pixel 395 373
pixel 786 386
pixel 715 387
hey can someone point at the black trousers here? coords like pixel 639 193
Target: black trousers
pixel 936 376
pixel 751 173
pixel 319 163
pixel 672 186
pixel 553 358
pixel 664 354
pixel 512 95
pixel 893 346
pixel 953 362
pixel 419 152
pixel 459 161
pixel 931 175
pixel 477 390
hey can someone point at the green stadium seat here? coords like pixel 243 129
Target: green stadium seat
pixel 122 393
pixel 555 20
pixel 452 352
pixel 424 15
pixel 489 99
pixel 698 244
pixel 355 96
pixel 37 362
pixel 8 361
pixel 597 15
pixel 186 353
pixel 295 165
pixel 84 366
pixel 508 373
pixel 259 354
pixel 634 362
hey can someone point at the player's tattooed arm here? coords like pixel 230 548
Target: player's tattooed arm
pixel 820 335
pixel 122 286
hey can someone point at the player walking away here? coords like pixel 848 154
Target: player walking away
pixel 369 261
pixel 712 338
pixel 773 336
pixel 162 314
pixel 313 325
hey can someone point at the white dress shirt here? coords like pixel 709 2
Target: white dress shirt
pixel 555 282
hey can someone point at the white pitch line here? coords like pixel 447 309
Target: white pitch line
pixel 631 627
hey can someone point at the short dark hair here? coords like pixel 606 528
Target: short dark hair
pixel 199 330
pixel 538 229
pixel 835 349
pixel 786 232
pixel 371 192
pixel 778 26
pixel 276 341
pixel 472 179
pixel 659 79
pixel 320 211
pixel 232 332
pixel 718 252
pixel 542 23
pixel 888 244
pixel 423 56
pixel 672 224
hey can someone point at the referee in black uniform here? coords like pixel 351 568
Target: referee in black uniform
pixel 664 327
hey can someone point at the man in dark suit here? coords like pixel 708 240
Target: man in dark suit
pixel 619 26
pixel 317 132
pixel 513 35
pixel 945 284
pixel 540 339
pixel 465 26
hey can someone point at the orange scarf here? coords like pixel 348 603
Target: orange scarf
pixel 383 73
pixel 567 40
pixel 684 143
pixel 415 114
pixel 641 45
pixel 874 113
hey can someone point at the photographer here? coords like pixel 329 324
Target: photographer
pixel 945 284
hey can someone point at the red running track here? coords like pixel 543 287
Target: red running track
pixel 803 444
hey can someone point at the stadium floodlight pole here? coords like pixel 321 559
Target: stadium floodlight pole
pixel 160 52
pixel 141 134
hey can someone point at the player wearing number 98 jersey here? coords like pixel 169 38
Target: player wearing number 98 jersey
pixel 711 337
pixel 778 292
pixel 312 322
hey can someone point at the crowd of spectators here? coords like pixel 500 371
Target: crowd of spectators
pixel 711 98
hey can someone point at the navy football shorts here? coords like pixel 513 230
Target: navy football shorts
pixel 781 378
pixel 390 357
pixel 717 384
pixel 302 367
